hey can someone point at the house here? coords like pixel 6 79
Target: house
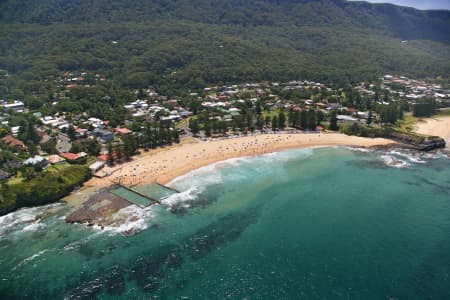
pixel 362 115
pixel 103 157
pixel 96 166
pixel 73 156
pixel 36 160
pixel 17 106
pixel 13 142
pixel 123 131
pixel 103 135
pixel 15 131
pixel 80 132
pixel 94 122
pixel 55 160
pixel 346 119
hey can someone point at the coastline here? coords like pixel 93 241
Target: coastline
pixel 164 165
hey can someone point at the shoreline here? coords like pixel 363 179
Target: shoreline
pixel 164 165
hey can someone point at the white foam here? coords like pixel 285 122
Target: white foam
pixel 129 220
pixel 392 161
pixel 434 155
pixel 182 198
pixel 209 174
pixel 203 176
pixel 34 226
pixel 284 156
pixel 21 219
pixel 359 149
pixel 414 158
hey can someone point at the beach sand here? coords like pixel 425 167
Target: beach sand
pixel 439 126
pixel 163 165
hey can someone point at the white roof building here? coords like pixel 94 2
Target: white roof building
pixel 35 160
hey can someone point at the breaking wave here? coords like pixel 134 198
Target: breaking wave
pixel 129 220
pixel 392 161
pixel 26 219
pixel 412 157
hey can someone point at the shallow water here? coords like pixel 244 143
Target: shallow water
pixel 324 223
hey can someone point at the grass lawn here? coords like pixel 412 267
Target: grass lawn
pixel 15 179
pixel 58 167
pixel 408 123
pixel 184 122
pixel 444 112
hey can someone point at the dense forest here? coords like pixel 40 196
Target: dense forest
pixel 192 43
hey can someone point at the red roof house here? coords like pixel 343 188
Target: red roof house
pixel 123 131
pixel 69 156
pixel 103 157
pixel 13 142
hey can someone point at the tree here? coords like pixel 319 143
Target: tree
pixel 140 94
pixel 49 146
pixel 110 156
pixel 319 116
pixel 311 120
pixel 274 123
pixel 424 109
pixel 3 132
pixel 207 129
pixel 71 133
pixel 259 123
pixel 93 148
pixel 369 118
pixel 267 121
pixel 281 120
pixel 76 148
pixel 129 146
pixel 193 125
pixel 400 113
pixel 28 172
pixel 27 133
pixel 291 118
pixel 258 108
pixel 175 135
pixel 120 151
pixel 333 121
pixel 304 119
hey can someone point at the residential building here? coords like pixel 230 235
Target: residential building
pixel 15 143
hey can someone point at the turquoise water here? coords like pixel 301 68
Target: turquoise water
pixel 325 223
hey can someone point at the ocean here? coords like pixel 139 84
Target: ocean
pixel 318 223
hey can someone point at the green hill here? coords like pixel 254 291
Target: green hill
pixel 196 42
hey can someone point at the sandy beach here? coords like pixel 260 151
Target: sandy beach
pixel 439 126
pixel 163 165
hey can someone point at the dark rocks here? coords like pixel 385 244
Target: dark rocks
pixel 418 142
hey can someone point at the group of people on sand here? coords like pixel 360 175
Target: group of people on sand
pixel 151 168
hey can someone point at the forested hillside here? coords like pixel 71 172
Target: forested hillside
pixel 196 42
